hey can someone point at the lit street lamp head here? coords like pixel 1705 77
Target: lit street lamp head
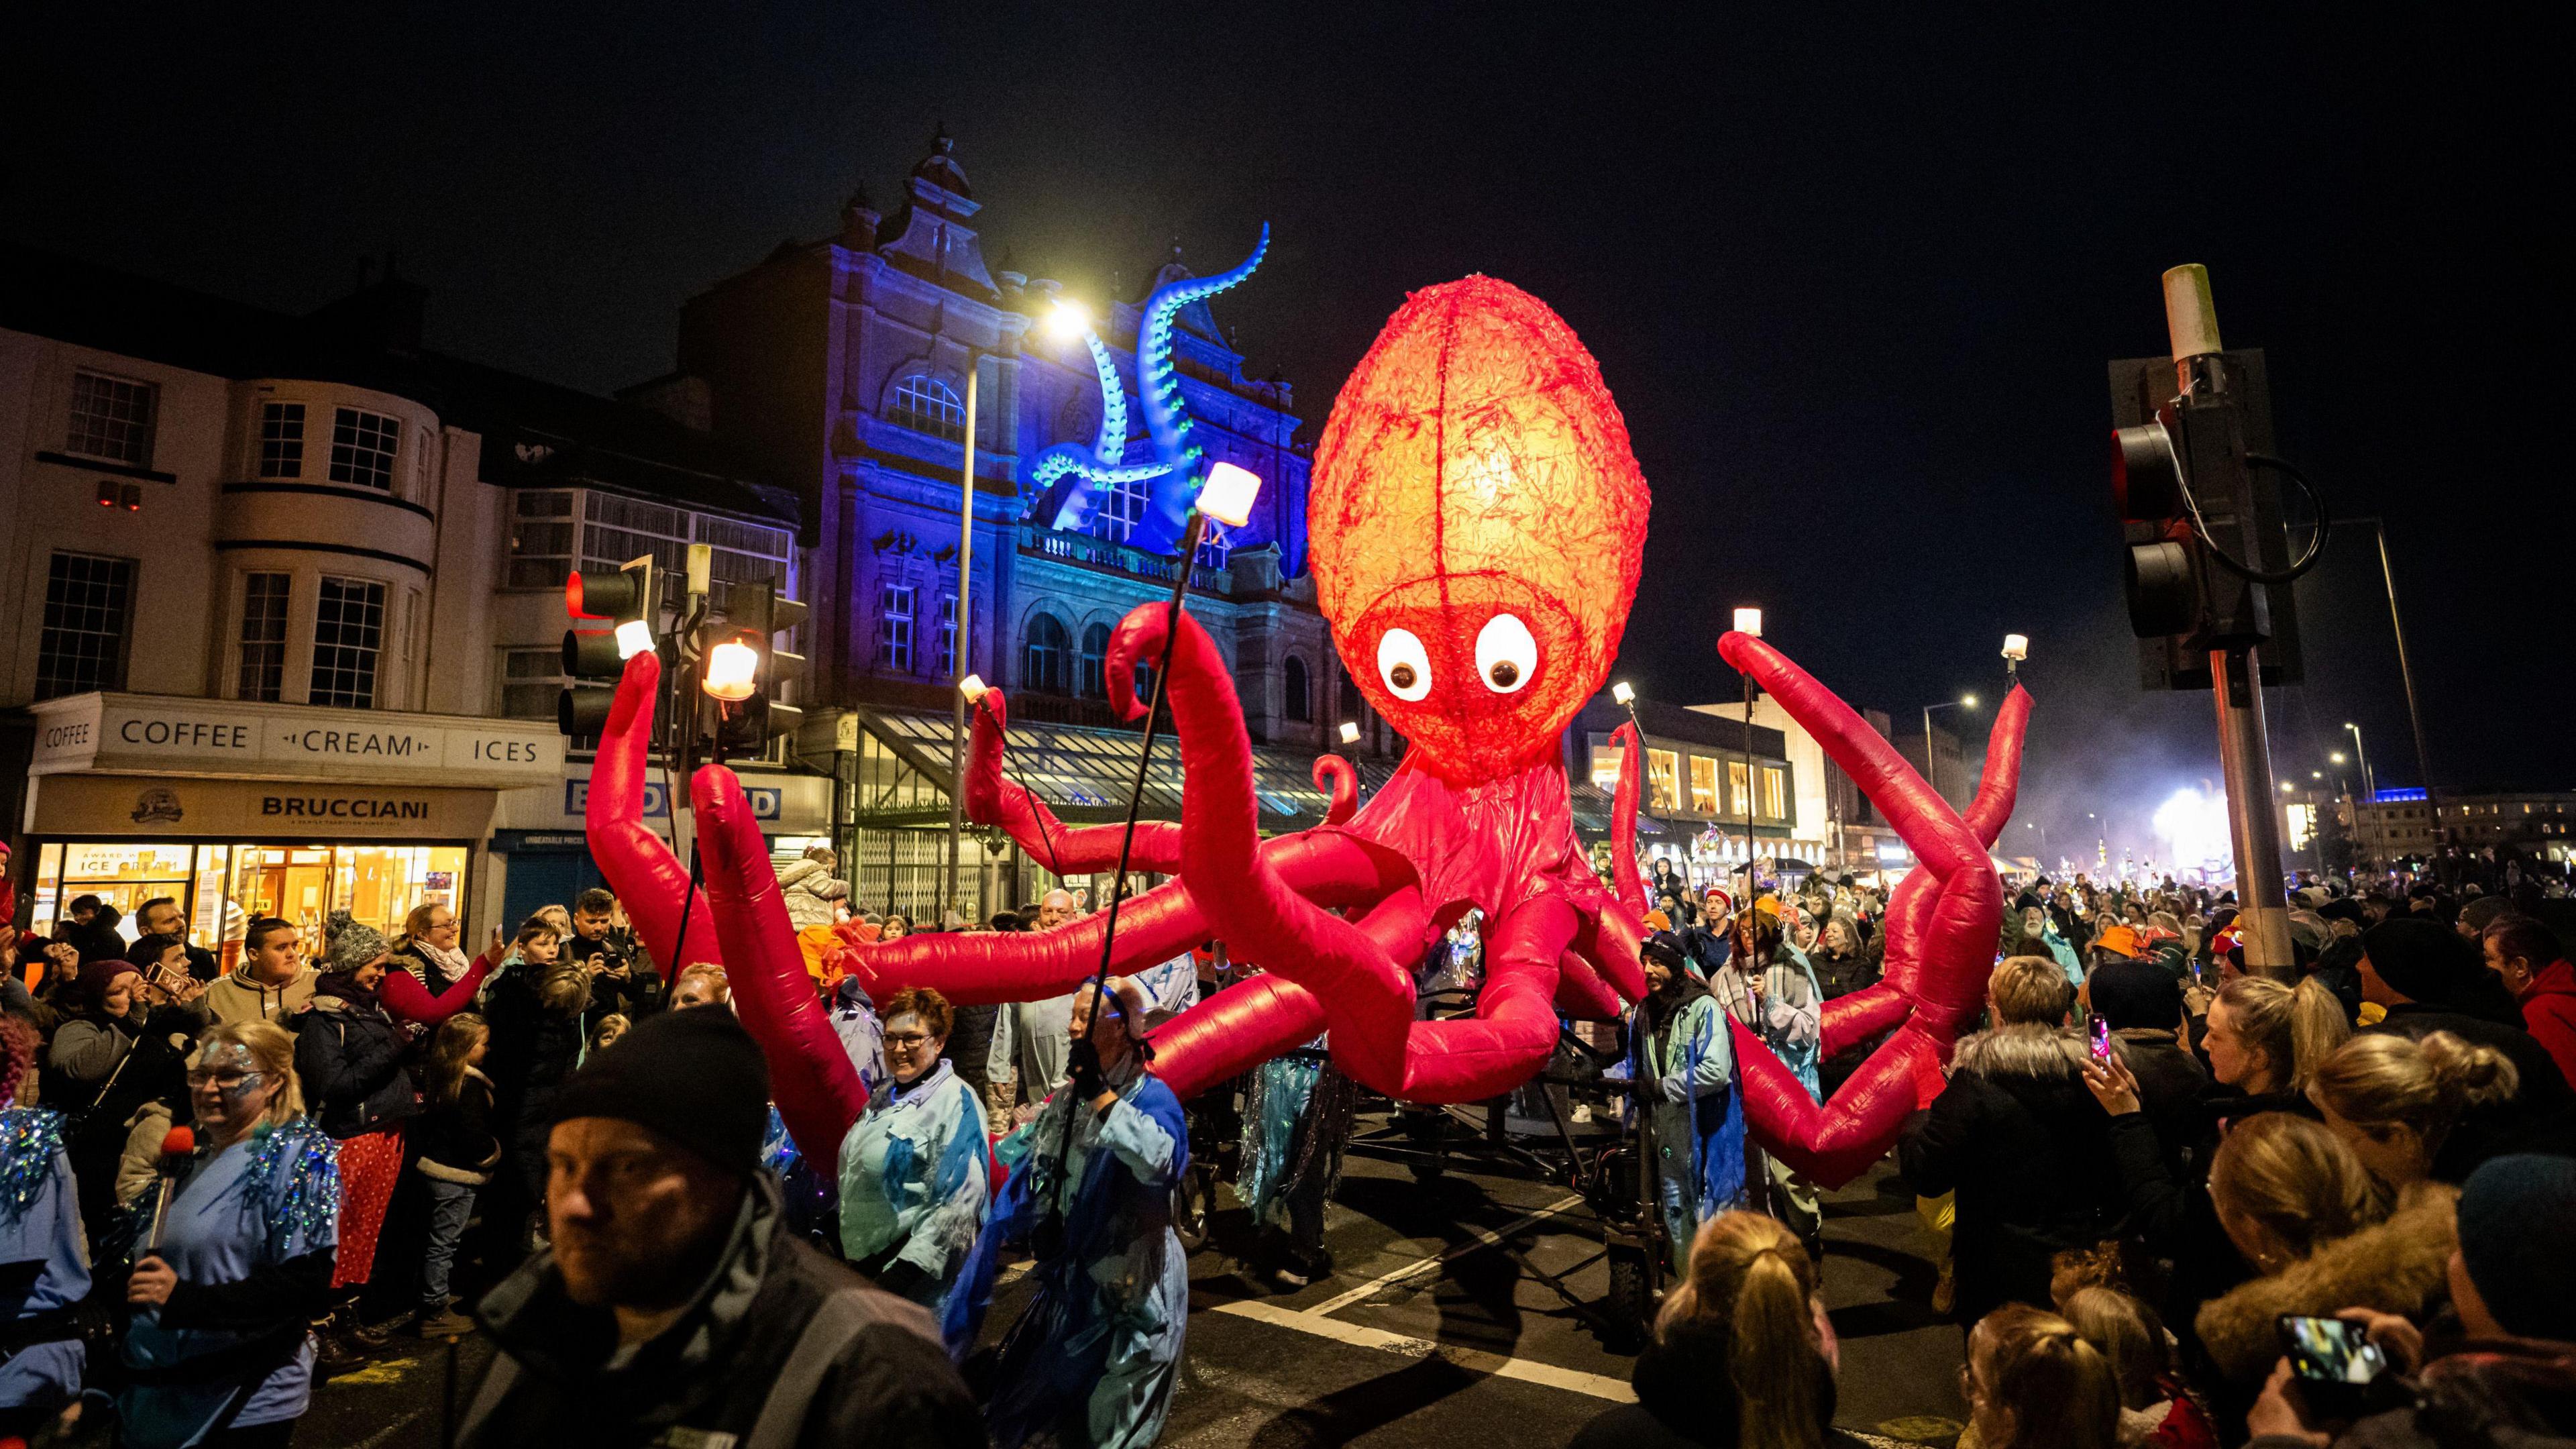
pixel 1068 321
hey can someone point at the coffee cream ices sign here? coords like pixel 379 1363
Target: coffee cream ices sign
pixel 148 735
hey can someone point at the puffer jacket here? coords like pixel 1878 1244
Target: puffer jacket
pixel 2397 1266
pixel 2028 1151
pixel 810 891
pixel 354 1064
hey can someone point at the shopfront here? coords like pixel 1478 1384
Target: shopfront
pixel 543 856
pixel 135 796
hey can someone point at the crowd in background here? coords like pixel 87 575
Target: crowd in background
pixel 2147 1167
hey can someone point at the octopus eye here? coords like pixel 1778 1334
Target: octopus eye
pixel 1506 655
pixel 1404 664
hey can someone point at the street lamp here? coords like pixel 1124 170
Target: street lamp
pixel 1068 320
pixel 2369 781
pixel 1747 621
pixel 1931 766
pixel 2016 649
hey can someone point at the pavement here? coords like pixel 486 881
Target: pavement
pixel 1429 1332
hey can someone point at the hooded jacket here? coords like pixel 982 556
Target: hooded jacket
pixel 779 1347
pixel 2549 1014
pixel 241 996
pixel 809 891
pixel 2396 1266
pixel 353 1062
pixel 2028 1151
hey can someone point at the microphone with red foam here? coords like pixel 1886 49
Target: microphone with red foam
pixel 177 1146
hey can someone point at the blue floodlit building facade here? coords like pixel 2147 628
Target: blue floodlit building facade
pixel 842 366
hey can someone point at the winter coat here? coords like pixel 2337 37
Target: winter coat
pixel 2549 1014
pixel 455 1135
pixel 2171 1084
pixel 140 1166
pixel 810 891
pixel 241 996
pixel 2543 1088
pixel 354 1064
pixel 727 1370
pixel 533 1049
pixel 2028 1151
pixel 2398 1266
pixel 1841 975
pixel 1686 1398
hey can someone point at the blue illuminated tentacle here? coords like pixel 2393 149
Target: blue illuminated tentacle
pixel 1111 444
pixel 1158 387
pixel 1074 512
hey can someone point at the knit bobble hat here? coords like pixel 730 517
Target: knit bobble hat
pixel 353 943
pixel 693 1076
pixel 2513 1215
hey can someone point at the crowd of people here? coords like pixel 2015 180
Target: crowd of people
pixel 222 1186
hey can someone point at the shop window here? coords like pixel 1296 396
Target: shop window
pixel 1663 782
pixel 1703 772
pixel 531 681
pixel 348 638
pixel 281 440
pixel 263 636
pixel 1775 793
pixel 363 445
pixel 89 605
pixel 541 527
pixel 894 627
pixel 1046 658
pixel 926 405
pixel 1739 789
pixel 1090 677
pixel 111 419
pixel 1299 697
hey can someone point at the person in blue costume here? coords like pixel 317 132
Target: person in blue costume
pixel 1680 1056
pixel 1791 1023
pixel 913 1191
pixel 1094 1359
pixel 217 1352
pixel 44 1264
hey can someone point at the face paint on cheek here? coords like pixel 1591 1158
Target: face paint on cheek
pixel 244 1098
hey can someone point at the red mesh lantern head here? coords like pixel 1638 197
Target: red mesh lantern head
pixel 1476 523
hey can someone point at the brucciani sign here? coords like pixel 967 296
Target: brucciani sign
pixel 343 807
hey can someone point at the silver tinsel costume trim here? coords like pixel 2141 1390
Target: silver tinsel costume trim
pixel 302 1198
pixel 29 1138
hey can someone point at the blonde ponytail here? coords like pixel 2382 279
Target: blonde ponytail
pixel 2293 1029
pixel 2059 1390
pixel 1772 1358
pixel 1751 1285
pixel 2317 1027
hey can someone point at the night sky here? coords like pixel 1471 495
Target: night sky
pixel 1852 279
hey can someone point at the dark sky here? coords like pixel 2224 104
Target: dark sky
pixel 1852 278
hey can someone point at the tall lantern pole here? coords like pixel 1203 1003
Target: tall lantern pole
pixel 963 646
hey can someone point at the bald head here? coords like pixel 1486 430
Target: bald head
pixel 1055 909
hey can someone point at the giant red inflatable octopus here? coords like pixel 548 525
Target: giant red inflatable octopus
pixel 1477 522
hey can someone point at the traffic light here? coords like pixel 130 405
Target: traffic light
pixel 754 615
pixel 2197 491
pixel 623 598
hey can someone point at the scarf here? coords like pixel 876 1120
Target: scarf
pixel 344 985
pixel 451 962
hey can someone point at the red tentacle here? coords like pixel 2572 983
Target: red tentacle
pixel 2000 786
pixel 1368 995
pixel 1623 824
pixel 1607 940
pixel 1836 1141
pixel 1580 991
pixel 817 1091
pixel 1334 775
pixel 1861 1015
pixel 1514 1028
pixel 647 877
pixel 1234 1031
pixel 993 798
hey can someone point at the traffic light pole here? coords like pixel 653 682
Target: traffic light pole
pixel 2253 818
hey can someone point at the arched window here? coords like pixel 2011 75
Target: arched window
pixel 1292 681
pixel 1087 673
pixel 1046 662
pixel 926 405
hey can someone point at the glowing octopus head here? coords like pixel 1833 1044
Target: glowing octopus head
pixel 1477 522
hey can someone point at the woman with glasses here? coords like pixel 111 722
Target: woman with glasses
pixel 236 1256
pixel 912 1166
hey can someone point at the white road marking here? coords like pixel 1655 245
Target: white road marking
pixel 1473 1360
pixel 1485 1239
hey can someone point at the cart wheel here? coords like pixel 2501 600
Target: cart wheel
pixel 1193 1200
pixel 1630 1309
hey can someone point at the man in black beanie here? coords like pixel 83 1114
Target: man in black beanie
pixel 672 1305
pixel 2142 1005
pixel 2429 979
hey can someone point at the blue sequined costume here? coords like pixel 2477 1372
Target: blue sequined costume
pixel 1093 1360
pixel 40 1223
